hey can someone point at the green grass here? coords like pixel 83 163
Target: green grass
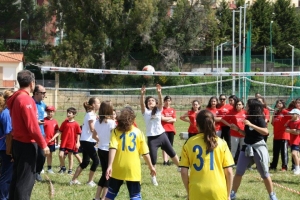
pixel 170 185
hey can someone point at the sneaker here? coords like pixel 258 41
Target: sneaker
pixel 42 171
pixel 62 170
pixel 38 177
pixel 273 196
pixel 232 195
pixel 76 182
pixel 50 171
pixel 296 172
pixel 69 171
pixel 153 180
pixel 91 184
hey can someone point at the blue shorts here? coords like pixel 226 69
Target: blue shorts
pixel 51 148
pixel 295 147
pixel 134 188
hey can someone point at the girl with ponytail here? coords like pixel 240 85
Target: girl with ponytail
pixel 209 160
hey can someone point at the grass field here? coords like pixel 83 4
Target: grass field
pixel 170 185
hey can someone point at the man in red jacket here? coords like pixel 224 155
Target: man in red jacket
pixel 26 136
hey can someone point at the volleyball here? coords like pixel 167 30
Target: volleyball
pixel 148 68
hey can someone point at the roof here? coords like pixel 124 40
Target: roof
pixel 12 57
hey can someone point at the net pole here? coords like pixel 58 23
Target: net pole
pixel 265 66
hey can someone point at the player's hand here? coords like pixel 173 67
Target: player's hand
pixel 108 172
pixel 247 122
pixel 158 88
pixel 152 171
pixel 143 90
pixel 77 145
pixel 41 122
pixel 46 150
pixel 234 127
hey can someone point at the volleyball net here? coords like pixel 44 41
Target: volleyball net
pixel 271 85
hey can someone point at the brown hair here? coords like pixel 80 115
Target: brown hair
pixel 125 119
pixel 206 124
pixel 88 105
pixel 105 111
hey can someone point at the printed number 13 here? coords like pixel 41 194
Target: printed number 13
pixel 132 146
pixel 199 156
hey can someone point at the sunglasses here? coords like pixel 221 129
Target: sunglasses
pixel 222 99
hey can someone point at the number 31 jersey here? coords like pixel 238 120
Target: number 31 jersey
pixel 130 146
pixel 207 178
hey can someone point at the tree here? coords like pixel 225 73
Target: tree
pixel 261 17
pixel 9 19
pixel 110 27
pixel 224 17
pixel 289 27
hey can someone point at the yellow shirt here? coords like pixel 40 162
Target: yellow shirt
pixel 207 178
pixel 130 146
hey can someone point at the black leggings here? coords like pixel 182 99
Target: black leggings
pixel 280 147
pixel 226 135
pixel 103 155
pixel 170 136
pixel 89 152
pixel 154 142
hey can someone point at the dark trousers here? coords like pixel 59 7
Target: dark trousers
pixel 40 161
pixel 5 174
pixel 103 155
pixel 226 135
pixel 23 178
pixel 89 152
pixel 280 146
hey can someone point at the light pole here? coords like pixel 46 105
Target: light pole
pixel 271 39
pixel 21 35
pixel 292 69
pixel 221 84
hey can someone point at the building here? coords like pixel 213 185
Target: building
pixel 10 64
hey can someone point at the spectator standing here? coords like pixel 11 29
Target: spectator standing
pixel 26 137
pixel 39 94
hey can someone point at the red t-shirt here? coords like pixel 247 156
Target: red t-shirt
pixel 237 118
pixel 280 118
pixel 294 139
pixel 69 132
pixel 224 110
pixel 168 112
pixel 214 111
pixel 193 125
pixel 50 127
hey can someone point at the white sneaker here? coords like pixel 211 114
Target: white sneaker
pixel 91 184
pixel 42 171
pixel 76 182
pixel 297 172
pixel 50 171
pixel 153 180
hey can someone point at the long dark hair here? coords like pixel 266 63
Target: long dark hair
pixel 283 105
pixel 146 104
pixel 255 110
pixel 192 109
pixel 105 111
pixel 237 101
pixel 209 101
pixel 206 124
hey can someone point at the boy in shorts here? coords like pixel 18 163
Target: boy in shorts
pixel 51 128
pixel 70 134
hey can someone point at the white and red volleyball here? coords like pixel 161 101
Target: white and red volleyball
pixel 148 68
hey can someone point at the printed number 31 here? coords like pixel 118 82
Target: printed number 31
pixel 199 156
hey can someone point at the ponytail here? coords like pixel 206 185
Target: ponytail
pixel 206 124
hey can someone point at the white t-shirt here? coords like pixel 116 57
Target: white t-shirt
pixel 104 132
pixel 86 134
pixel 153 123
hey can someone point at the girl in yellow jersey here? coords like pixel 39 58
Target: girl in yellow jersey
pixel 209 160
pixel 127 143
